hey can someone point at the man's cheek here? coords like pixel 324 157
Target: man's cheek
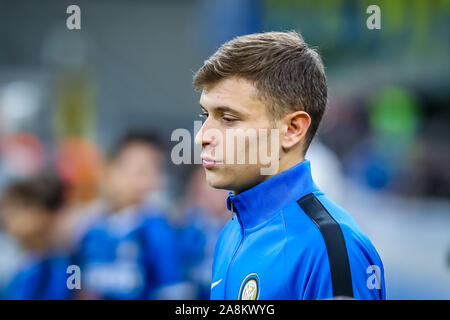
pixel 228 151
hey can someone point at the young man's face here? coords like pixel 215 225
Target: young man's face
pixel 230 105
pixel 28 224
pixel 133 174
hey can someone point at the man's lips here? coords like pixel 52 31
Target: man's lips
pixel 209 163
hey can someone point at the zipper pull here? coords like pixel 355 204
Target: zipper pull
pixel 232 210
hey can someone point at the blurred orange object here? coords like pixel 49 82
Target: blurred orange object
pixel 79 163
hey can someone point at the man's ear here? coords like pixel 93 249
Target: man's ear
pixel 295 125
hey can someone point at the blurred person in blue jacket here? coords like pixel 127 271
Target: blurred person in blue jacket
pixel 29 209
pixel 203 219
pixel 130 251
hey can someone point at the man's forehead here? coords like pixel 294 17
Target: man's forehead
pixel 232 92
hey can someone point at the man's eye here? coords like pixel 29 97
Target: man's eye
pixel 203 115
pixel 226 119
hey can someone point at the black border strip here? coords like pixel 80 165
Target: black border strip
pixel 334 240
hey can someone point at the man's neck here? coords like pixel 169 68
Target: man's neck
pixel 285 164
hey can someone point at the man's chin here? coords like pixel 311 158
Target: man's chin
pixel 215 180
pixel 229 180
pixel 218 185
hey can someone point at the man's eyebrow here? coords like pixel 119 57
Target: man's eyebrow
pixel 224 109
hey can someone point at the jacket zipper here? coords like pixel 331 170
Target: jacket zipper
pixel 237 250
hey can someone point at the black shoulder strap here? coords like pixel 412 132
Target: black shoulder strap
pixel 334 241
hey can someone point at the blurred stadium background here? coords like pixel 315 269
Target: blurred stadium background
pixel 68 96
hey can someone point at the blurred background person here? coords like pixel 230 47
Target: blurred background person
pixel 81 166
pixel 28 210
pixel 326 170
pixel 21 157
pixel 130 252
pixel 383 142
pixel 203 215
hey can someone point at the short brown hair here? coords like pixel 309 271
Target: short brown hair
pixel 288 74
pixel 45 191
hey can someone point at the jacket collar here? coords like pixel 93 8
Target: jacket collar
pixel 262 201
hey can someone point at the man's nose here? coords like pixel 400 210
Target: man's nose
pixel 201 138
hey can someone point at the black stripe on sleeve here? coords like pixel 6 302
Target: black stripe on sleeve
pixel 334 241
